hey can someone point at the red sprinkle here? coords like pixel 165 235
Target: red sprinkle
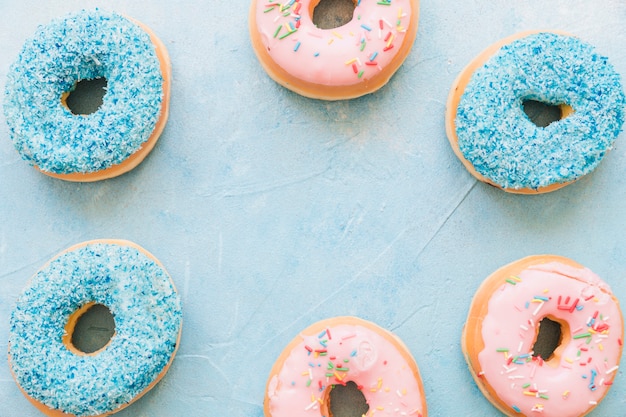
pixel 385 49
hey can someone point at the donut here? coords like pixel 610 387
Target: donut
pixel 61 380
pixel 333 64
pixel 335 352
pixel 499 144
pixel 502 332
pixel 88 45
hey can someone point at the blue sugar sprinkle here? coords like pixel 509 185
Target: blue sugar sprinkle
pixel 83 45
pixel 501 142
pixel 148 317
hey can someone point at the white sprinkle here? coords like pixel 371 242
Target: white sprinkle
pixel 538 308
pixel 523 327
pixel 613 369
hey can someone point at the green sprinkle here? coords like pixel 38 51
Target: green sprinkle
pixel 582 335
pixel 287 34
pixel 278 30
pixel 510 281
pixel 361 73
pixel 502 350
pixel 526 385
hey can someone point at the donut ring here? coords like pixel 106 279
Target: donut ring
pixel 502 329
pixel 346 62
pixel 494 138
pixel 335 351
pixel 120 134
pixel 62 381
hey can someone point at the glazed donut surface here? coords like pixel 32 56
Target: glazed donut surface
pixel 345 62
pixel 338 350
pixel 495 139
pixel 83 46
pixel 56 377
pixel 502 329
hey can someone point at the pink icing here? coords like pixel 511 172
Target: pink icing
pixel 590 359
pixel 336 356
pixel 346 55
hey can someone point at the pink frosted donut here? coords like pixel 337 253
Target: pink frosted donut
pixel 346 62
pixel 334 352
pixel 501 335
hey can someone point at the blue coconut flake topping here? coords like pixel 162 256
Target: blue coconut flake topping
pixel 83 46
pixel 501 142
pixel 148 317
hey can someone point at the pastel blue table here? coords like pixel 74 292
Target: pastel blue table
pixel 272 211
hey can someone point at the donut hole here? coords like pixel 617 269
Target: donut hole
pixel 86 96
pixel 331 14
pixel 550 337
pixel 345 401
pixel 89 329
pixel 544 114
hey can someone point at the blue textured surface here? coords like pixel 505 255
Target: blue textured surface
pixel 82 46
pixel 271 211
pixel 503 144
pixel 147 312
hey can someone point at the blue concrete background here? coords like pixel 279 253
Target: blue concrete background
pixel 272 211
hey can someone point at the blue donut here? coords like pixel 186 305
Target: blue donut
pixel 83 46
pixel 148 319
pixel 496 139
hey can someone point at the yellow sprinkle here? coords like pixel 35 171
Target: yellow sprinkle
pixel 350 61
pixel 569 360
pixel 600 346
pixel 390 40
pixel 338 376
pixel 399 12
pixel 546 291
pixel 380 407
pixel 337 35
pixel 529 393
pixel 330 41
